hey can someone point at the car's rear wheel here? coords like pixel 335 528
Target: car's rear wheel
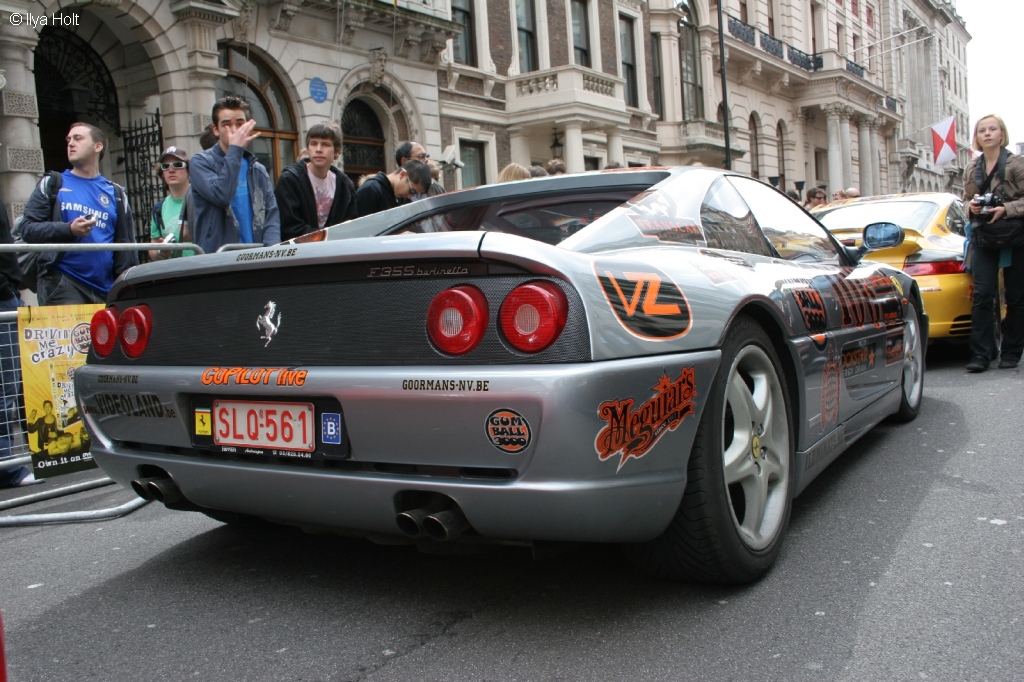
pixel 912 382
pixel 736 507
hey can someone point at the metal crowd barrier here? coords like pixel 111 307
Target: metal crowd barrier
pixel 14 448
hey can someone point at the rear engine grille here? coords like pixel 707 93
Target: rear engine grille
pixel 961 326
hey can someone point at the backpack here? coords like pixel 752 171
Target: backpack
pixel 29 262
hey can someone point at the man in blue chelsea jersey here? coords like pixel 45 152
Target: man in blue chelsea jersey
pixel 79 206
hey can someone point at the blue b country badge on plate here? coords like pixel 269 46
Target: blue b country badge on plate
pixel 330 428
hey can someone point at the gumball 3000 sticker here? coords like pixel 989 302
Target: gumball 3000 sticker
pixel 508 431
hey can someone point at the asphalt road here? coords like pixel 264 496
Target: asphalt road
pixel 902 562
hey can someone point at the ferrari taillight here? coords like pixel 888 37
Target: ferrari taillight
pixel 103 330
pixel 938 267
pixel 133 329
pixel 533 315
pixel 457 319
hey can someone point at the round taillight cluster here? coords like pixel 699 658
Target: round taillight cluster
pixel 533 315
pixel 531 318
pixel 457 319
pixel 132 329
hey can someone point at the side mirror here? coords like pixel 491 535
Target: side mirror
pixel 877 236
pixel 958 226
pixel 882 236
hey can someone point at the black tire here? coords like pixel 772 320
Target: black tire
pixel 712 539
pixel 912 381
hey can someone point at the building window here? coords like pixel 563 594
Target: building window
pixel 780 136
pixel 870 16
pixel 771 18
pixel 744 17
pixel 363 142
pixel 659 102
pixel 526 24
pixel 465 45
pixel 472 155
pixel 855 7
pixel 755 153
pixel 580 33
pixel 253 81
pixel 689 59
pixel 591 163
pixel 841 38
pixel 855 55
pixel 627 46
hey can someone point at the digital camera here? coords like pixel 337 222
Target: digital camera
pixel 988 201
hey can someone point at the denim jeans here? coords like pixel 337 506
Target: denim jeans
pixel 984 311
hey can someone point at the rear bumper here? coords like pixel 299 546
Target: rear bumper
pixel 410 431
pixel 947 300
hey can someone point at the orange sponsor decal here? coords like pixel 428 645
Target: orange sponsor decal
pixel 254 376
pixel 646 302
pixel 632 433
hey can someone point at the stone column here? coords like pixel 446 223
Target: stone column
pixel 21 156
pixel 876 163
pixel 867 170
pixel 615 150
pixel 835 147
pixel 844 139
pixel 201 22
pixel 519 146
pixel 574 147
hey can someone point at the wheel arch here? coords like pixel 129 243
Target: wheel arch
pixel 776 329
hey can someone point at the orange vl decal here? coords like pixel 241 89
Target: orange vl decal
pixel 632 433
pixel 664 313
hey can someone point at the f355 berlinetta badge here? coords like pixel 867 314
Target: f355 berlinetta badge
pixel 267 324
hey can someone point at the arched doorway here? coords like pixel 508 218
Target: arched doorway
pixel 72 84
pixel 249 78
pixel 362 141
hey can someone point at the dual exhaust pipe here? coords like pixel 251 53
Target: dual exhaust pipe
pixel 158 488
pixel 439 519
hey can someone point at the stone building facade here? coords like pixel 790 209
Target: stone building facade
pixel 820 91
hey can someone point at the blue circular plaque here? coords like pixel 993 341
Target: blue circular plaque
pixel 318 90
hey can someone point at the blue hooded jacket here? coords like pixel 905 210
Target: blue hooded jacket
pixel 214 176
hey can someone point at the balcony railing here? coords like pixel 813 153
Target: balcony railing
pixel 890 103
pixel 772 45
pixel 800 59
pixel 744 32
pixel 855 68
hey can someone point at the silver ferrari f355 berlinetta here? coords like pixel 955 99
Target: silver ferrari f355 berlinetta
pixel 660 358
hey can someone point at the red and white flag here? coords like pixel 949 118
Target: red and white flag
pixel 944 140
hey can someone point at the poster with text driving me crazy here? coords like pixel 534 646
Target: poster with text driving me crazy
pixel 54 342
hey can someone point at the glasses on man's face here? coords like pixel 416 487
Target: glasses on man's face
pixel 422 157
pixel 173 164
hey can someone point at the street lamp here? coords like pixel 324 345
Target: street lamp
pixel 799 187
pixel 556 146
pixel 774 179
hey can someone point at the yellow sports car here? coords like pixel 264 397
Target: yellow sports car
pixel 932 252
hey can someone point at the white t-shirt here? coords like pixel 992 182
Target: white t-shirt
pixel 323 194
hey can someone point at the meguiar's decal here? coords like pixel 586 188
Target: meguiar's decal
pixel 830 387
pixel 508 431
pixel 222 376
pixel 894 347
pixel 645 300
pixel 632 433
pixel 812 309
pixel 674 230
pixel 858 358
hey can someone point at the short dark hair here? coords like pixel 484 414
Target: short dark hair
pixel 418 172
pixel 555 166
pixel 325 131
pixel 404 151
pixel 208 138
pixel 537 172
pixel 230 102
pixel 95 133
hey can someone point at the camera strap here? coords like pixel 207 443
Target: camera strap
pixel 985 183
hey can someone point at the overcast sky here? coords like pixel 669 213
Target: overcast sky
pixel 993 74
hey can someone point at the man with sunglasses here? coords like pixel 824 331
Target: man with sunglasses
pixel 170 220
pixel 79 206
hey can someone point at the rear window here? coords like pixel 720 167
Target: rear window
pixel 549 220
pixel 910 215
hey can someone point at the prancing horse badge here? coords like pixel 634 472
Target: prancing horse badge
pixel 267 324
